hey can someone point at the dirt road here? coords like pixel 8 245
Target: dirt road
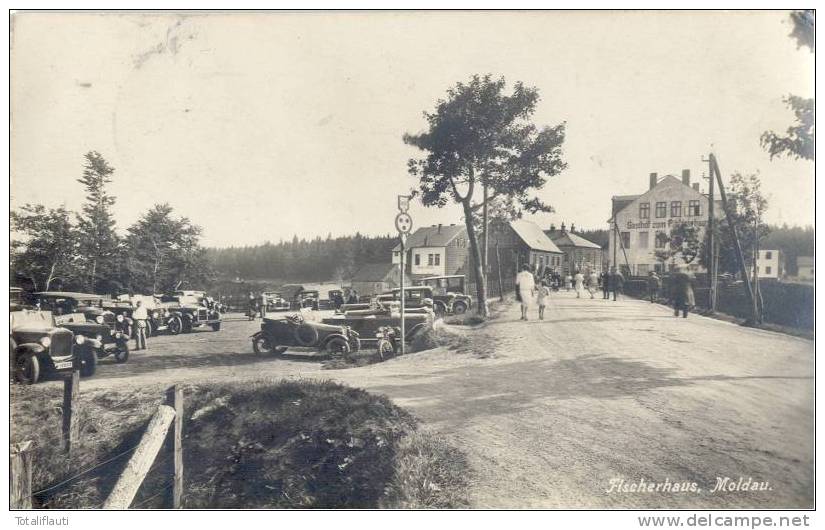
pixel 566 408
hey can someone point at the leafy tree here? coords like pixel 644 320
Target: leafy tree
pixel 47 251
pixel 481 136
pixel 99 245
pixel 682 242
pixel 800 138
pixel 164 251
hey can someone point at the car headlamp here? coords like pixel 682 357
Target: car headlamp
pixel 118 335
pixel 46 342
pixel 80 339
pixel 99 319
pixel 99 338
pixel 120 318
pixel 155 314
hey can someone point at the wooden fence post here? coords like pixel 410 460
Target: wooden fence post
pixel 174 398
pixel 138 466
pixel 71 410
pixel 20 475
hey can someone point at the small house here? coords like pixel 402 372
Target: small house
pixel 376 278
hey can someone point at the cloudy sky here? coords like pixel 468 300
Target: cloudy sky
pixel 261 126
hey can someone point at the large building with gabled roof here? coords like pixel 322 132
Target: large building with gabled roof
pixel 636 221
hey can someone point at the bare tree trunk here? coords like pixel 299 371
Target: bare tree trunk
pixel 51 275
pixel 481 281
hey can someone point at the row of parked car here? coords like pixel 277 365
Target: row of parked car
pixel 60 331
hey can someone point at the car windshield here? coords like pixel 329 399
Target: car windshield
pixel 31 318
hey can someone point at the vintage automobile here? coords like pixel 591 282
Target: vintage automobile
pixel 102 339
pixel 295 333
pixel 307 299
pixel 449 290
pixel 67 303
pixel 38 346
pixel 368 322
pixel 276 302
pixel 183 313
pixel 336 298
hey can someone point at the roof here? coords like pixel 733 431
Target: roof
pixel 805 261
pixel 620 202
pixel 69 294
pixel 569 239
pixel 433 236
pixel 533 236
pixel 373 272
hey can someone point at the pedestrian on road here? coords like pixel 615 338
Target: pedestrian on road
pixel 683 297
pixel 654 285
pixel 616 283
pixel 579 283
pixel 263 305
pixel 592 284
pixel 139 316
pixel 251 311
pixel 525 287
pixel 605 279
pixel 542 296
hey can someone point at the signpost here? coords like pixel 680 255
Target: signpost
pixel 403 223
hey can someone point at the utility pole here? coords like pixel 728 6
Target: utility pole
pixel 486 229
pixel 742 269
pixel 711 238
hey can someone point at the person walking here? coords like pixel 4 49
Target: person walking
pixel 578 280
pixel 251 311
pixel 139 316
pixel 654 285
pixel 616 283
pixel 605 278
pixel 683 297
pixel 263 304
pixel 542 295
pixel 525 287
pixel 592 284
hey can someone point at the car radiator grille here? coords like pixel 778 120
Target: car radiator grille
pixel 61 344
pixel 202 314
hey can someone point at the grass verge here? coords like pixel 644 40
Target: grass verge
pixel 265 444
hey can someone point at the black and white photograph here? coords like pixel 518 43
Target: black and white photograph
pixel 534 260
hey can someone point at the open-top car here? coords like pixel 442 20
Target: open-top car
pixel 449 290
pixel 294 333
pixel 276 302
pixel 90 306
pixel 183 313
pixel 372 322
pixel 38 346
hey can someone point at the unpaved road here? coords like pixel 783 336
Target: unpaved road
pixel 598 391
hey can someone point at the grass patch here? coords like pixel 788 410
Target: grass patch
pixel 265 444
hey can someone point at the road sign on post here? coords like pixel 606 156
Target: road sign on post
pixel 403 223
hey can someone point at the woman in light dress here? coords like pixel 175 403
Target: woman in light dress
pixel 579 283
pixel 526 287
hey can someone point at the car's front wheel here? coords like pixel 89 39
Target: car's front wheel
pixel 459 308
pixel 337 347
pixel 175 325
pixel 27 369
pixel 88 363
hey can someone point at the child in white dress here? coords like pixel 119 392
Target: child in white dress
pixel 543 295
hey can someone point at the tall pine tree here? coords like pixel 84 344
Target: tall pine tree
pixel 99 245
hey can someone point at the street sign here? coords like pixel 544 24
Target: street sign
pixel 403 203
pixel 403 223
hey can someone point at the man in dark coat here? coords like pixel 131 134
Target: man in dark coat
pixel 605 280
pixel 616 283
pixel 654 285
pixel 682 293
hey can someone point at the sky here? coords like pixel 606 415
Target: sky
pixel 260 126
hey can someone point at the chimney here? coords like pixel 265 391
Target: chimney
pixel 696 186
pixel 562 227
pixel 552 227
pixel 686 177
pixel 653 180
pixel 572 227
pixel 439 228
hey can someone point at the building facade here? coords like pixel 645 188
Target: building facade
pixel 638 220
pixel 770 264
pixel 520 242
pixel 376 278
pixel 805 268
pixel 580 254
pixel 435 250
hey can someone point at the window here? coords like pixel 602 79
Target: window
pixel 430 259
pixel 417 258
pixel 438 259
pixel 768 254
pixel 676 209
pixel 694 209
pixel 642 269
pixel 644 210
pixel 768 269
pixel 643 239
pixel 661 209
pixel 626 239
pixel 661 239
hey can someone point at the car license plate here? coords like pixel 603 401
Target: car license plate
pixel 63 365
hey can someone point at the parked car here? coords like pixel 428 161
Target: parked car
pixel 66 303
pixel 449 290
pixel 293 332
pixel 183 313
pixel 307 299
pixel 276 302
pixel 102 339
pixel 370 322
pixel 416 296
pixel 37 346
